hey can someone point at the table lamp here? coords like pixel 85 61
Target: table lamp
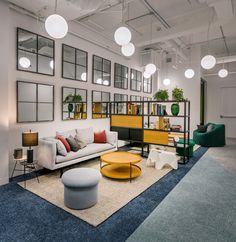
pixel 30 139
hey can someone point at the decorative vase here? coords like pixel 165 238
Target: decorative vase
pixel 175 109
pixel 70 107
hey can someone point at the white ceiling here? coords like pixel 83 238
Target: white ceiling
pixel 176 24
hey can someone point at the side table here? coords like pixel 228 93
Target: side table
pixel 26 166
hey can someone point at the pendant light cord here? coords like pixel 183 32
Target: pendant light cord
pixel 55 10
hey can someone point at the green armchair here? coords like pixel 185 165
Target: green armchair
pixel 213 138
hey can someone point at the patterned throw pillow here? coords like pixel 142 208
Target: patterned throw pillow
pixel 73 144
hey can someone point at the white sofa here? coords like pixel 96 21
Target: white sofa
pixel 47 151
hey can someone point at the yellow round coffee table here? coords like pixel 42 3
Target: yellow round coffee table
pixel 120 165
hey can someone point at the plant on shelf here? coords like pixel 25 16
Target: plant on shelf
pixel 178 96
pixel 161 95
pixel 70 99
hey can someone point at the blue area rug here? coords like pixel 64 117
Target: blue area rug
pixel 27 217
pixel 202 207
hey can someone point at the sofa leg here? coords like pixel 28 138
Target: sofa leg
pixel 61 172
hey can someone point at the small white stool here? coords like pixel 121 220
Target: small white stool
pixel 159 158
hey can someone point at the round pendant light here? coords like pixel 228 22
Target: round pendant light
pixel 128 50
pixel 24 62
pixel 189 73
pixel 83 76
pixel 56 26
pixel 223 73
pixel 99 81
pixel 150 68
pixel 146 75
pixel 105 82
pixel 122 36
pixel 51 64
pixel 208 62
pixel 166 81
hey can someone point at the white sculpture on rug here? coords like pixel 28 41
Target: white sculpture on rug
pixel 160 158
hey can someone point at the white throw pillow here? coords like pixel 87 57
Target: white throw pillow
pixel 61 149
pixel 85 135
pixel 68 133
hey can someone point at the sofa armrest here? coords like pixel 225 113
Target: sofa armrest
pixel 112 138
pixel 46 154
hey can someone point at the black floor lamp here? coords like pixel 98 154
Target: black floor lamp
pixel 30 139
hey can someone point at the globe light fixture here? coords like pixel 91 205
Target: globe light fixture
pixel 223 73
pixel 56 26
pixel 189 73
pixel 166 81
pixel 24 62
pixel 150 68
pixel 99 81
pixel 208 62
pixel 122 36
pixel 146 75
pixel 105 82
pixel 83 76
pixel 51 64
pixel 128 50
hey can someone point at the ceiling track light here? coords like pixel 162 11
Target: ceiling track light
pixel 55 25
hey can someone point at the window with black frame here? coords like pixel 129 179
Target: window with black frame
pixel 147 85
pixel 121 76
pixel 135 80
pixel 74 63
pixel 134 98
pixel 120 107
pixel 35 53
pixel 101 71
pixel 35 102
pixel 100 104
pixel 74 103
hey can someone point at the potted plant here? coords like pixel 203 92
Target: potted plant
pixel 161 95
pixel 178 96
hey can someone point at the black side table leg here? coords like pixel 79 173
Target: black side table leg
pixel 13 169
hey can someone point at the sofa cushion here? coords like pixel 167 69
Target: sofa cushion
pixel 88 150
pixel 80 143
pixel 210 127
pixel 73 143
pixel 66 134
pixel 100 137
pixel 61 149
pixel 64 141
pixel 85 135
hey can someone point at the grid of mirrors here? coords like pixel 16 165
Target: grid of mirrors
pixel 74 63
pixel 74 103
pixel 121 76
pixel 147 85
pixel 135 80
pixel 35 102
pixel 101 71
pixel 120 107
pixel 35 53
pixel 100 104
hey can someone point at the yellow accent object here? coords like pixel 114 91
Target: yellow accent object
pixel 161 123
pixel 120 165
pixel 126 121
pixel 155 137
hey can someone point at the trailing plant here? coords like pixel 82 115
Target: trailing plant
pixel 161 95
pixel 73 98
pixel 178 94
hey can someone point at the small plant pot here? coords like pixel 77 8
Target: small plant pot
pixel 175 109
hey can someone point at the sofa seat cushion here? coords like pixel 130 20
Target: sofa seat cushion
pixel 90 149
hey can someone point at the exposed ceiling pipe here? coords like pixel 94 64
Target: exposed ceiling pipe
pixel 216 74
pixel 226 59
pixel 178 41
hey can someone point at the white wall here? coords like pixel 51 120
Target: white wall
pixel 50 128
pixel 191 87
pixel 4 123
pixel 213 99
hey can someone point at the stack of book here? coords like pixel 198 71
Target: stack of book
pixel 158 109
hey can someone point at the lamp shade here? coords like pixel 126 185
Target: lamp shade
pixel 29 139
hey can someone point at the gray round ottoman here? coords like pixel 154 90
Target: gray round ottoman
pixel 80 187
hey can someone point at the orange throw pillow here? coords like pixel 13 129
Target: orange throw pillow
pixel 64 142
pixel 100 137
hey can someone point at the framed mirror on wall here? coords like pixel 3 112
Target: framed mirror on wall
pixel 35 53
pixel 135 80
pixel 147 85
pixel 74 63
pixel 100 104
pixel 35 102
pixel 101 71
pixel 121 76
pixel 74 103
